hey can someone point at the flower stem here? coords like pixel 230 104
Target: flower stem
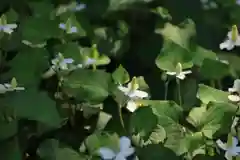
pixel 212 83
pixel 179 92
pixel 166 90
pixel 120 116
pixel 219 84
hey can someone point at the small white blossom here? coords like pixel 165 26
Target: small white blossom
pixel 61 64
pixel 238 2
pixel 232 150
pixel 179 73
pixel 79 7
pixel 232 40
pixel 125 150
pixel 234 91
pixel 133 93
pixel 8 28
pixel 8 87
pixel 73 29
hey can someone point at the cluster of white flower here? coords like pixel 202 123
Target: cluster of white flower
pixel 125 150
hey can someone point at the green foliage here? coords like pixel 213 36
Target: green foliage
pixel 143 79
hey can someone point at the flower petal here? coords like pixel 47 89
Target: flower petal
pixel 237 43
pixel 19 88
pixel 62 26
pixel 12 26
pixel 3 89
pixel 106 153
pixel 234 141
pixel 221 144
pixel 7 30
pixel 120 157
pixel 236 85
pixel 228 44
pixel 131 106
pixel 124 89
pixel 228 155
pixel 234 98
pixel 79 7
pixel 73 29
pixel 181 76
pixel 127 152
pixel 140 94
pixel 235 151
pixel 68 60
pixel 90 61
pixel 124 143
pixel 171 73
pixel 187 72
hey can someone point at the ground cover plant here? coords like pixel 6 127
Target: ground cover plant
pixel 119 79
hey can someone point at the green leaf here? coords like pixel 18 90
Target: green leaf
pixel 143 122
pixel 176 47
pixel 193 141
pixel 201 53
pixel 115 5
pixel 69 154
pixel 168 114
pixel 8 129
pixel 218 118
pixel 162 12
pixel 171 54
pixel 167 108
pixel 34 29
pixel 70 50
pixel 189 89
pixel 196 115
pixel 87 85
pixel 120 75
pixel 95 141
pixel 8 122
pixel 10 150
pixel 28 66
pixel 214 69
pixel 213 118
pixel 50 149
pixel 34 105
pixel 158 151
pixel 180 36
pixel 207 94
pixel 41 9
pixel 158 135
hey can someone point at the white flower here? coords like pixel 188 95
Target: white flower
pixel 232 40
pixel 234 91
pixel 79 7
pixel 125 150
pixel 179 73
pixel 8 28
pixel 73 29
pixel 89 61
pixel 133 93
pixel 232 150
pixel 6 87
pixel 61 63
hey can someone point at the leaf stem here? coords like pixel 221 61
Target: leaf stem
pixel 166 90
pixel 120 116
pixel 179 92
